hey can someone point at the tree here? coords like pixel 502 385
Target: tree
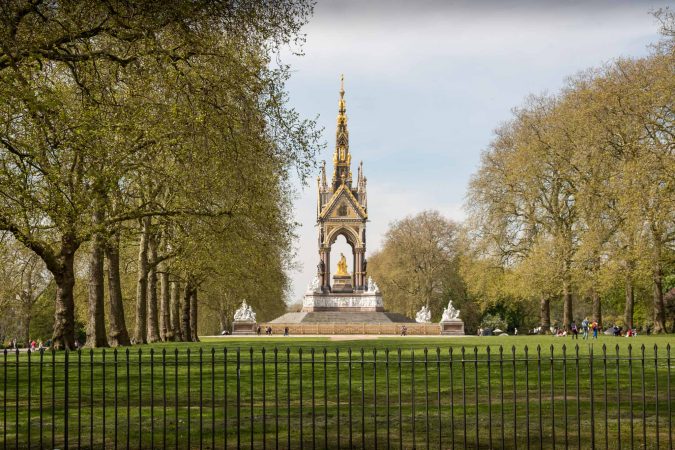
pixel 70 74
pixel 418 264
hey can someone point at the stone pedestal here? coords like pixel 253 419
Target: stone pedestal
pixel 452 327
pixel 244 327
pixel 342 284
pixel 357 302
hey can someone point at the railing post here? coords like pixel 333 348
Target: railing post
pixel 337 395
pixel 103 398
pixel 501 393
pixel 16 398
pixel 239 398
pixel 250 362
pixel 489 395
pixel 670 402
pixel 28 400
pixel 375 397
pixel 175 399
pixel 264 398
pixel 656 392
pixel 564 361
pixel 644 406
pixel 630 392
pixel 115 400
pixel 363 402
pixel 604 372
pixel 552 401
pixel 576 362
pixel 128 384
pixel 140 398
pixel 400 403
pixel 515 415
pixel 302 443
pixel 4 400
pixel 464 394
pixel 438 397
pixel 311 351
pixel 325 397
pixel 349 404
pixel 618 400
pixel 539 389
pixel 152 398
pixel 163 398
pixel 276 398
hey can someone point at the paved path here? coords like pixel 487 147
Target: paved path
pixel 338 337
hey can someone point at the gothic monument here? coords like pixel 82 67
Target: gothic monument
pixel 349 295
pixel 342 210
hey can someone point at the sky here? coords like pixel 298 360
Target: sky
pixel 426 84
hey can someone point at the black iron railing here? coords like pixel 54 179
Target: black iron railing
pixel 452 397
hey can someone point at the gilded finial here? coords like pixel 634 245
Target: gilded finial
pixel 342 86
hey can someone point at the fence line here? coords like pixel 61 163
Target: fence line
pixel 384 398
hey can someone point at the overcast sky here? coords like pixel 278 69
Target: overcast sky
pixel 426 84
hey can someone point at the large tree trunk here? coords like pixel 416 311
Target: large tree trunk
pixel 153 322
pixel 118 334
pixel 597 307
pixel 96 336
pixel 140 330
pixel 567 303
pixel 26 303
pixel 659 305
pixel 175 311
pixel 63 336
pixel 545 315
pixel 165 330
pixel 193 315
pixel 630 303
pixel 186 333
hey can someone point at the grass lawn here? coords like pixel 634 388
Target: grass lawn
pixel 225 391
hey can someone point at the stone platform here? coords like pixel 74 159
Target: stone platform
pixel 343 302
pixel 244 327
pixel 453 327
pixel 341 317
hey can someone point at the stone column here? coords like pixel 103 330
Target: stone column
pixel 326 261
pixel 355 273
pixel 358 269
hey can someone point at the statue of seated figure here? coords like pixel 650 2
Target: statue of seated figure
pixel 244 313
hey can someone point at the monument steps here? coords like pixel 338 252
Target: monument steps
pixel 368 317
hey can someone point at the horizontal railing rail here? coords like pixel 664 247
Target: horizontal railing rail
pixel 303 397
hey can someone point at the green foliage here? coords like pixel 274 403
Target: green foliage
pixel 574 198
pixel 493 322
pixel 173 115
pixel 418 264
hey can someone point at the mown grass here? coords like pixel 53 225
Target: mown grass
pixel 232 391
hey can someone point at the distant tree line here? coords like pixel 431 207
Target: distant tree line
pixel 145 152
pixel 572 209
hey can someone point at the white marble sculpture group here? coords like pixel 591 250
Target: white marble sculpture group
pixel 244 313
pixel 449 314
pixel 423 315
pixel 372 286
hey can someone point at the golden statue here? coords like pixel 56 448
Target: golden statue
pixel 342 266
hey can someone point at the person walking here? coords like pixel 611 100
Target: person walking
pixel 584 328
pixel 575 331
pixel 595 327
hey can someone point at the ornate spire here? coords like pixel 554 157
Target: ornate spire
pixel 341 157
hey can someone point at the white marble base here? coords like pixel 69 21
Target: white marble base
pixel 343 302
pixel 452 327
pixel 244 327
